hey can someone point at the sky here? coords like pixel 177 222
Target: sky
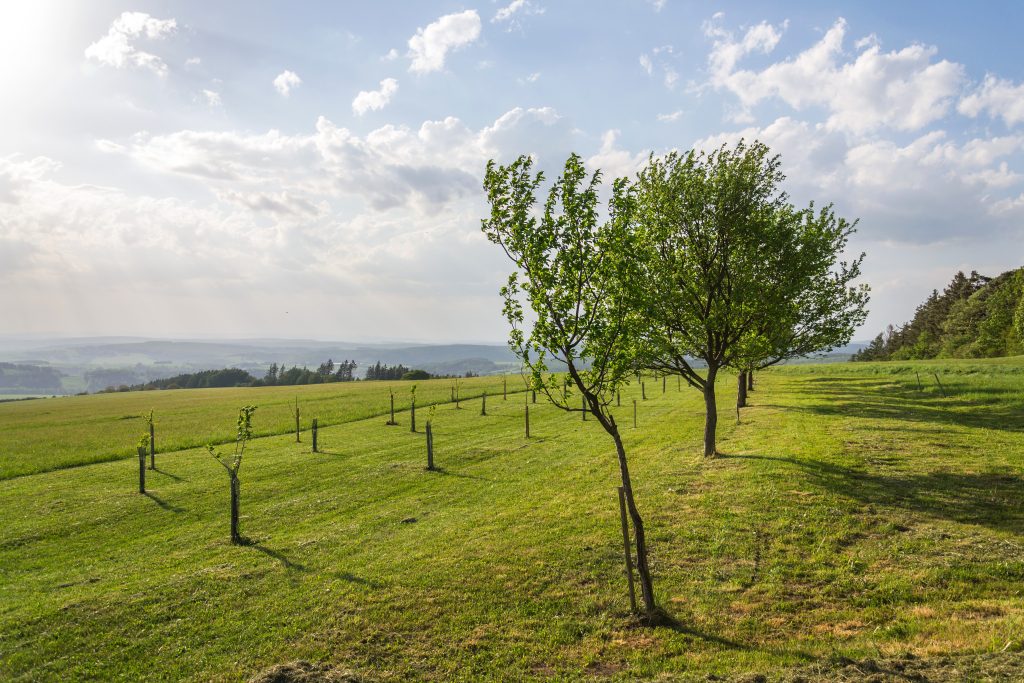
pixel 313 170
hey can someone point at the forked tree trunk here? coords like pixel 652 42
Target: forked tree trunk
pixel 236 486
pixel 741 390
pixel 710 413
pixel 642 567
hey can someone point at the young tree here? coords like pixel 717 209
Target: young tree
pixel 571 270
pixel 241 439
pixel 724 265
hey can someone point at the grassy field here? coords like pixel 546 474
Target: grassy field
pixel 43 435
pixel 854 524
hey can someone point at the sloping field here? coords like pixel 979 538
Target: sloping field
pixel 853 518
pixel 44 435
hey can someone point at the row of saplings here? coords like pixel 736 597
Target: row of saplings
pixel 147 444
pixel 698 257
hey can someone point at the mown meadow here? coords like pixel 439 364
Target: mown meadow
pixel 75 430
pixel 854 519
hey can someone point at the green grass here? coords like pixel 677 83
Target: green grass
pixel 39 436
pixel 851 516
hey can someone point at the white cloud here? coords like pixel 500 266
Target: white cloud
pixel 117 48
pixel 661 58
pixel 391 56
pixel 193 61
pixel 670 118
pixel 212 98
pixel 532 78
pixel 903 89
pixel 372 100
pixel 516 8
pixel 615 162
pixel 431 45
pixel 285 81
pixel 998 98
pixel 927 191
pixel 658 4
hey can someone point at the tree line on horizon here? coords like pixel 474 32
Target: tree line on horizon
pixel 974 317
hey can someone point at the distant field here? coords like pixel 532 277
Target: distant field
pixel 854 524
pixel 43 435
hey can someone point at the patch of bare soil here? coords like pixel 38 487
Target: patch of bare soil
pixel 307 672
pixel 1004 667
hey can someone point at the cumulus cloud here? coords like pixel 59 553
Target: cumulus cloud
pixel 285 81
pixel 431 45
pixel 929 190
pixel 997 97
pixel 391 166
pixel 671 118
pixel 372 100
pixel 615 162
pixel 118 49
pixel 903 89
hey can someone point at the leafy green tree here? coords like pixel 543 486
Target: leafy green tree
pixel 241 439
pixel 731 268
pixel 571 270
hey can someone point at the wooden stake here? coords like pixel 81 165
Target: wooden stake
pixel 643 391
pixel 583 401
pixel 483 405
pixel 412 412
pixel 625 546
pixel 920 387
pixel 392 420
pixel 315 430
pixel 430 447
pixel 527 420
pixel 297 438
pixel 941 388
pixel 504 388
pixel 142 469
pixel 664 380
pixel 634 413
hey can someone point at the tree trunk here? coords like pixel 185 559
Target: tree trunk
pixel 315 434
pixel 741 393
pixel 710 413
pixel 642 567
pixel 643 391
pixel 412 414
pixel 664 380
pixel 236 537
pixel 152 447
pixel 534 395
pixel 527 420
pixel 750 380
pixel 297 437
pixel 483 404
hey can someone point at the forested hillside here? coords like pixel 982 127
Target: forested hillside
pixel 974 317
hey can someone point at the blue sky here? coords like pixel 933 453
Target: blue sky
pixel 313 170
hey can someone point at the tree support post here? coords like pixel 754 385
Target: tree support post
pixel 142 469
pixel 430 447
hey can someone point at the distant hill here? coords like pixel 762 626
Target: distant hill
pixel 974 317
pixel 84 364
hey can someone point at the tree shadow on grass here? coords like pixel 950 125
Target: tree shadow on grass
pixel 986 407
pixel 276 554
pixel 461 475
pixel 163 503
pixel 990 499
pixel 165 473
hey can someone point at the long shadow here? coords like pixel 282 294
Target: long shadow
pixel 165 473
pixel 276 554
pixel 991 499
pixel 352 578
pixel 663 619
pixel 163 503
pixel 999 409
pixel 461 475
